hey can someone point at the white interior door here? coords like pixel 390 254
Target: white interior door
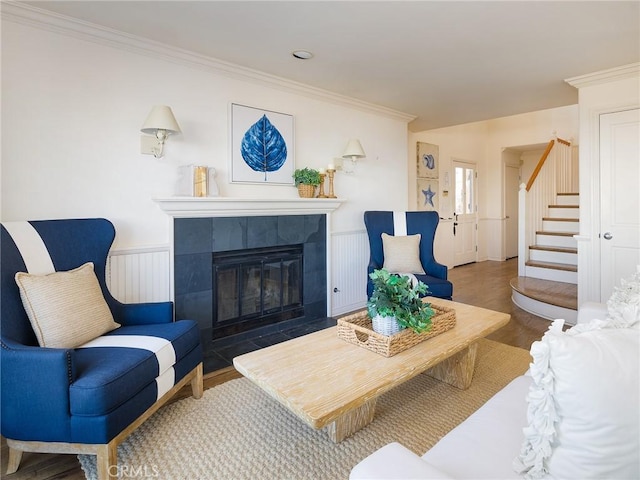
pixel 465 216
pixel 511 187
pixel 619 198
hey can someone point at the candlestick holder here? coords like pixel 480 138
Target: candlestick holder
pixel 331 173
pixel 321 192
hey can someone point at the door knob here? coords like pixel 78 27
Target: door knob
pixel 607 236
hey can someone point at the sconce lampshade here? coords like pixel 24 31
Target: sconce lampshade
pixel 161 118
pixel 354 150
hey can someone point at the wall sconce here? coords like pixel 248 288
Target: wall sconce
pixel 353 152
pixel 160 123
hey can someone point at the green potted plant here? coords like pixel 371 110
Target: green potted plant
pixel 306 179
pixel 396 304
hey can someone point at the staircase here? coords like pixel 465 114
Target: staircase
pixel 547 252
pixel 554 256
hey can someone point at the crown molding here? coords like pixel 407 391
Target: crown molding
pixel 38 18
pixel 631 70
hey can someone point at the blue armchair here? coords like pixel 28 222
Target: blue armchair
pixel 84 400
pixel 411 223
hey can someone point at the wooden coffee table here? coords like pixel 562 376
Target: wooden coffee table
pixel 328 382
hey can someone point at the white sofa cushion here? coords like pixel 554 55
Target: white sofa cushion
pixel 484 445
pixel 591 310
pixel 583 406
pixel 481 447
pixel 394 462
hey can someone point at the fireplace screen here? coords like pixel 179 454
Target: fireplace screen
pixel 253 288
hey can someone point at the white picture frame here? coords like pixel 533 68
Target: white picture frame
pixel 427 160
pixel 255 131
pixel 428 193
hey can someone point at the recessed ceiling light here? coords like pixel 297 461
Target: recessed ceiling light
pixel 302 54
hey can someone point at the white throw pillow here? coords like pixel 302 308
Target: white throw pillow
pixel 583 408
pixel 66 309
pixel 402 253
pixel 624 304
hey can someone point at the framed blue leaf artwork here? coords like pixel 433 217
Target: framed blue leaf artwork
pixel 262 149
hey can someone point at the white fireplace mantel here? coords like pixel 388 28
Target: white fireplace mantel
pixel 189 207
pixel 192 207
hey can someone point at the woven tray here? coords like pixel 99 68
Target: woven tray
pixel 357 329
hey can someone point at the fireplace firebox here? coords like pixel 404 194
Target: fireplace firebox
pixel 256 287
pixel 199 241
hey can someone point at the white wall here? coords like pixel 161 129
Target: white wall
pixel 72 109
pixel 483 143
pixel 462 142
pixel 73 103
pixel 530 160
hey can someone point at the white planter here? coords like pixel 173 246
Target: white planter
pixel 385 325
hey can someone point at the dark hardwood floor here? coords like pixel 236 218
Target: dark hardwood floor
pixel 487 284
pixel 484 284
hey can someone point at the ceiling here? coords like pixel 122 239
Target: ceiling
pixel 446 62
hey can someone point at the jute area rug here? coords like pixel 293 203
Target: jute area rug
pixel 238 432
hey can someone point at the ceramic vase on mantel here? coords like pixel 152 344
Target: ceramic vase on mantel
pixel 385 325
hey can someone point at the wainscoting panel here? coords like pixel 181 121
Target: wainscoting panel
pixel 139 275
pixel 143 274
pixel 349 260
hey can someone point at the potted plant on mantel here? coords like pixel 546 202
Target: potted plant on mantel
pixel 396 304
pixel 306 179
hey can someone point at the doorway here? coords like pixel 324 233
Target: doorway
pixel 518 163
pixel 465 224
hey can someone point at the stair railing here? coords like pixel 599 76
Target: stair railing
pixel 555 172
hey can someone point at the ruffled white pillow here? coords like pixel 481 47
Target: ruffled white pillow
pixel 624 304
pixel 584 402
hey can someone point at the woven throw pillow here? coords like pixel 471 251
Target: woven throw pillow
pixel 402 253
pixel 583 415
pixel 66 309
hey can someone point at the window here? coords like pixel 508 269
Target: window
pixel 464 190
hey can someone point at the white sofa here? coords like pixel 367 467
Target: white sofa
pixel 486 444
